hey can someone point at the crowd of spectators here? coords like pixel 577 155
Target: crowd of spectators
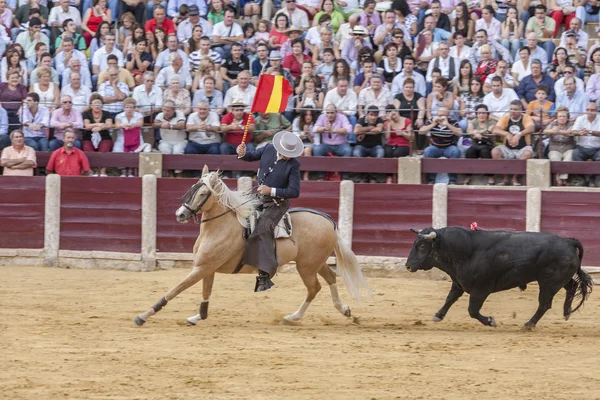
pixel 435 78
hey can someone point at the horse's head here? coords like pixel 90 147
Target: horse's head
pixel 198 198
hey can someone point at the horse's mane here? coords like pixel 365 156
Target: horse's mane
pixel 243 204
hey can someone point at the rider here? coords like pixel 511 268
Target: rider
pixel 278 181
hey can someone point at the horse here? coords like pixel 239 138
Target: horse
pixel 220 246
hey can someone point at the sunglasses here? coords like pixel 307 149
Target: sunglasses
pixel 67 102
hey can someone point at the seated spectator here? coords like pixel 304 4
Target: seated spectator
pixel 207 68
pixel 344 100
pixel 100 60
pixel 226 33
pixel 266 126
pixel 186 28
pixel 209 94
pixel 369 134
pixel 18 159
pixel 178 95
pixel 70 30
pixel 129 136
pixel 592 90
pixel 487 65
pixel 96 136
pixel 556 68
pixel 538 53
pixel 35 120
pixel 233 65
pixel 24 12
pixel 303 126
pixel 160 20
pixel 45 62
pixel 325 68
pixel 542 27
pixel 172 129
pixel 516 128
pixel 63 119
pixel 113 92
pixel 559 86
pixel 498 51
pixel 482 138
pixel 376 94
pixel 575 53
pixel 62 58
pixel 310 94
pixel 399 135
pixel 503 72
pixel 130 41
pixel 294 15
pixel 334 128
pixel 409 72
pixel 462 81
pixel 93 18
pixel 443 132
pixel 4 138
pixel 79 94
pixel 512 31
pixel 233 125
pixel 278 35
pixel 84 74
pixel 242 91
pixel 562 142
pixel 499 99
pixel 326 41
pixel 48 91
pixel 447 64
pixel 12 94
pixel 139 60
pixel 440 97
pixel 581 35
pixel 12 60
pixel 33 35
pixel 68 160
pixel 469 102
pixel 341 70
pixel 459 50
pixel 206 53
pixel 261 63
pixel 411 106
pixel 98 40
pixel 391 64
pixel 358 41
pixel 588 143
pixel 540 109
pixel 361 80
pixel 164 59
pixel 527 86
pixel 204 130
pixel 563 11
pixel 574 100
pixel 32 62
pixel 148 98
pixel 293 62
pixel 328 8
pixel 165 76
pixel 522 67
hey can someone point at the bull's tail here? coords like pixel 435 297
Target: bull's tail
pixel 580 286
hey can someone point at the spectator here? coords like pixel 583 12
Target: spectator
pixel 18 159
pixel 498 51
pixel 540 109
pixel 574 100
pixel 68 160
pixel 522 67
pixel 100 60
pixel 62 12
pixel 261 63
pixel 293 33
pixel 587 12
pixel 442 21
pixel 226 33
pixel 459 50
pixel 542 27
pixel 443 131
pixel 62 58
pixel 216 12
pixel 482 138
pixel 70 30
pixel 361 81
pixel 45 62
pixel 440 97
pixel 32 62
pixel 96 136
pixel 409 72
pixel 79 94
pixel 31 37
pixel 12 94
pixel 303 126
pixel 4 138
pixel 538 53
pixel 84 74
pixel 63 119
pixel 559 86
pixel 35 120
pixel 233 65
pixel 391 65
pixel 148 98
pixel 516 129
pixel 129 137
pixel 310 94
pixel 341 70
pixel 369 134
pixel 296 16
pixel 358 41
pixel 93 18
pixel 178 95
pixel 487 65
pixel 13 61
pixel 560 11
pixel 233 125
pixel 135 7
pixel 139 60
pixel 527 86
pixel 575 53
pixel 490 24
pixel 411 106
pixel 98 39
pixel 512 31
pixel 24 12
pixel 502 71
pixel 276 67
pixel 242 91
pixel 377 95
pixel 278 35
pixel 166 75
pixel 334 128
pixel 293 62
pixel 325 69
pixel 209 94
pixel 562 142
pixel 160 20
pixel 447 64
pixel 186 27
pixel 581 35
pixel 205 52
pixel 469 102
pixel 399 135
pixel 204 131
pixel 113 92
pixel 588 144
pixel 344 100
pixel 164 57
pixel 206 68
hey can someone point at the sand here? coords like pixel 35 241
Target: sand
pixel 68 334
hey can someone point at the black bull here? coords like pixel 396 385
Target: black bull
pixel 484 262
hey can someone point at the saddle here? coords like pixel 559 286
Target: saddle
pixel 283 229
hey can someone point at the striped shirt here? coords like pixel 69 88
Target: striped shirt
pixel 196 57
pixel 106 90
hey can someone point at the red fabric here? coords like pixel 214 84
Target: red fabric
pixel 68 164
pixel 484 70
pixel 105 146
pixel 295 67
pixel 235 137
pixel 559 17
pixel 398 140
pixel 264 93
pixel 94 21
pixel 280 37
pixel 131 139
pixel 474 226
pixel 167 25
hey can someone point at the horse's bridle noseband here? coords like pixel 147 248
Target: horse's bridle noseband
pixel 190 195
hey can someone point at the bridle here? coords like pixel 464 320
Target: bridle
pixel 190 195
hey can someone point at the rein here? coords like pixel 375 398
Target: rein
pixel 190 194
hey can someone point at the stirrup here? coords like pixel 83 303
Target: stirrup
pixel 263 282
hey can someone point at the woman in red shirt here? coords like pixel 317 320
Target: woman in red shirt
pixel 278 35
pixel 293 62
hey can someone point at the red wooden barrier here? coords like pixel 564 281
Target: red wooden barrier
pixel 491 209
pixel 321 196
pixel 101 214
pixel 172 236
pixel 98 160
pixel 22 212
pixel 383 215
pixel 574 215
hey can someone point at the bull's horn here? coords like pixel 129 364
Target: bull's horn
pixel 417 231
pixel 429 236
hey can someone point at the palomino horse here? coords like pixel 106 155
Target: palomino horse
pixel 220 246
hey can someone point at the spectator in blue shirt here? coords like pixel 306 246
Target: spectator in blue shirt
pixel 527 86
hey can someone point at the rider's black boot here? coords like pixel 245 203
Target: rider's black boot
pixel 263 282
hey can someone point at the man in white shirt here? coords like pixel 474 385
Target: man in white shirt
pixel 448 65
pixel 508 81
pixel 186 27
pixel 79 93
pixel 162 60
pixel 536 52
pixel 148 96
pixel 76 66
pixel 499 99
pixel 408 72
pixel 100 60
pixel 171 123
pixel 242 91
pixel 377 94
pixel 62 59
pixel 582 36
pixel 61 12
pixel 176 69
pixel 345 101
pixel 296 16
pixel 204 129
pixel 559 86
pixel 588 142
pixel 226 33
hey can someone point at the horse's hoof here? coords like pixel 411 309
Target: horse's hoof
pixel 138 321
pixel 347 312
pixel 290 320
pixel 492 322
pixel 437 319
pixel 193 320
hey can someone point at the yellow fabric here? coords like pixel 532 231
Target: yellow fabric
pixel 275 100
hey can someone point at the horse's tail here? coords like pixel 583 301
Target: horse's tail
pixel 349 270
pixel 580 286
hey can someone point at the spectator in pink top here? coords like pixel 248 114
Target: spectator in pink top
pixel 63 118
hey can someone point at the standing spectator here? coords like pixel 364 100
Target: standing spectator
pixel 32 36
pixel 233 125
pixel 18 159
pixel 267 125
pixel 588 143
pixel 35 120
pixel 527 86
pixel 204 131
pixel 68 160
pixel 334 128
pixel 562 142
pixel 113 92
pixel 63 119
pixel 443 131
pixel 516 128
pixel 79 94
pixel 12 94
pixel 377 95
pixel 97 123
pixel 482 138
pixel 226 33
pixel 161 21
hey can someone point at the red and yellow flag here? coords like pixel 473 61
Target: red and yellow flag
pixel 272 94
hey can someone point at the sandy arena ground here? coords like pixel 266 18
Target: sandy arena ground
pixel 68 334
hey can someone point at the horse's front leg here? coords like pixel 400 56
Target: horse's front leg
pixel 191 279
pixel 207 285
